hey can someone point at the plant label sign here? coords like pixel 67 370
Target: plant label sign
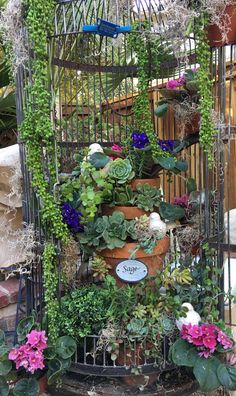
pixel 131 271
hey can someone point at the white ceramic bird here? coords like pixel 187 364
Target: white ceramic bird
pixel 93 148
pixel 156 224
pixel 191 317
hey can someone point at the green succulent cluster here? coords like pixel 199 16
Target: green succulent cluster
pixel 121 171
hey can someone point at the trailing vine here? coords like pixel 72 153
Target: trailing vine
pixel 38 135
pixel 207 130
pixel 141 108
pixel 50 280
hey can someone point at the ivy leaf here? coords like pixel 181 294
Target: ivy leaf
pixel 205 371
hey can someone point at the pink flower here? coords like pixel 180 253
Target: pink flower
pixel 224 340
pixel 209 342
pixel 35 362
pixel 23 363
pixel 231 359
pixel 13 354
pixel 197 341
pixel 116 147
pixel 37 339
pixel 195 331
pixel 185 332
pixel 209 330
pixel 172 84
pixel 206 354
pixel 181 81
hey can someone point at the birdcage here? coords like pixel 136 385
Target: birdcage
pixel 93 89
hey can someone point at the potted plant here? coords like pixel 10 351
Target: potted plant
pixel 182 96
pixel 34 363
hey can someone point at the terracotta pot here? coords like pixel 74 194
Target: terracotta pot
pixel 214 34
pixel 153 261
pixel 43 382
pixel 130 212
pixel 152 182
pixel 194 125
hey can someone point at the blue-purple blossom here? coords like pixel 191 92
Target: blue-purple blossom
pixel 72 218
pixel 139 140
pixel 166 145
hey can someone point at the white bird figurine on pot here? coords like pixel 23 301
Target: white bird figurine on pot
pixel 156 224
pixel 191 317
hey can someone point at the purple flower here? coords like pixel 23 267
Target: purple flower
pixel 166 145
pixel 139 140
pixel 72 218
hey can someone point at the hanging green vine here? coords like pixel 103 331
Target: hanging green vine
pixel 50 280
pixel 37 133
pixel 207 129
pixel 145 51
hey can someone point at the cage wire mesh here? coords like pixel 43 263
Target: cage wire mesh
pixel 93 87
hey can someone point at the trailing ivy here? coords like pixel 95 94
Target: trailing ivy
pixel 38 135
pixel 207 129
pixel 138 41
pixel 50 280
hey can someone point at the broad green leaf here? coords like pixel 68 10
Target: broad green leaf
pixel 181 165
pixel 65 347
pixel 4 388
pixel 166 162
pixel 66 363
pixel 161 109
pixel 171 212
pixel 5 367
pixel 26 387
pixel 24 327
pixel 99 160
pixel 191 185
pixel 205 371
pixel 2 337
pixel 54 376
pixel 183 354
pixel 54 365
pixel 227 376
pixel 49 352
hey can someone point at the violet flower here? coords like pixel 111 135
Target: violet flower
pixel 72 218
pixel 166 145
pixel 139 140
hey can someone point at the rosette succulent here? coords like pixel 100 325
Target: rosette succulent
pixel 120 170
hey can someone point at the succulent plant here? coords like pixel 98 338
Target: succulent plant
pixel 147 197
pixel 100 268
pixel 147 238
pixel 120 170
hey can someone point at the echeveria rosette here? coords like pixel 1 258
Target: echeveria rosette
pixel 72 218
pixel 120 170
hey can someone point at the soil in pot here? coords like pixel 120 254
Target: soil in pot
pixel 214 34
pixel 153 261
pixel 130 212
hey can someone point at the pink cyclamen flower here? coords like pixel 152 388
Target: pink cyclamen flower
pixel 195 331
pixel 224 340
pixel 209 342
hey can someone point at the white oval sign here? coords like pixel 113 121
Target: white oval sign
pixel 131 270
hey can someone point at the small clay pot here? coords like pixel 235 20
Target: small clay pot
pixel 153 261
pixel 194 125
pixel 130 212
pixel 214 34
pixel 152 182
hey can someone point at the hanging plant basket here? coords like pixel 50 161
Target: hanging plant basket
pixel 214 33
pixel 136 269
pixel 193 126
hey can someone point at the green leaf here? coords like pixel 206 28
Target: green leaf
pixel 183 354
pixel 2 337
pixel 171 212
pixel 99 160
pixel 24 327
pixel 181 165
pixel 54 365
pixel 227 376
pixel 5 367
pixel 65 347
pixel 166 162
pixel 54 376
pixel 161 109
pixel 26 387
pixel 205 371
pixel 191 185
pixel 66 363
pixel 4 388
pixel 4 349
pixel 49 352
